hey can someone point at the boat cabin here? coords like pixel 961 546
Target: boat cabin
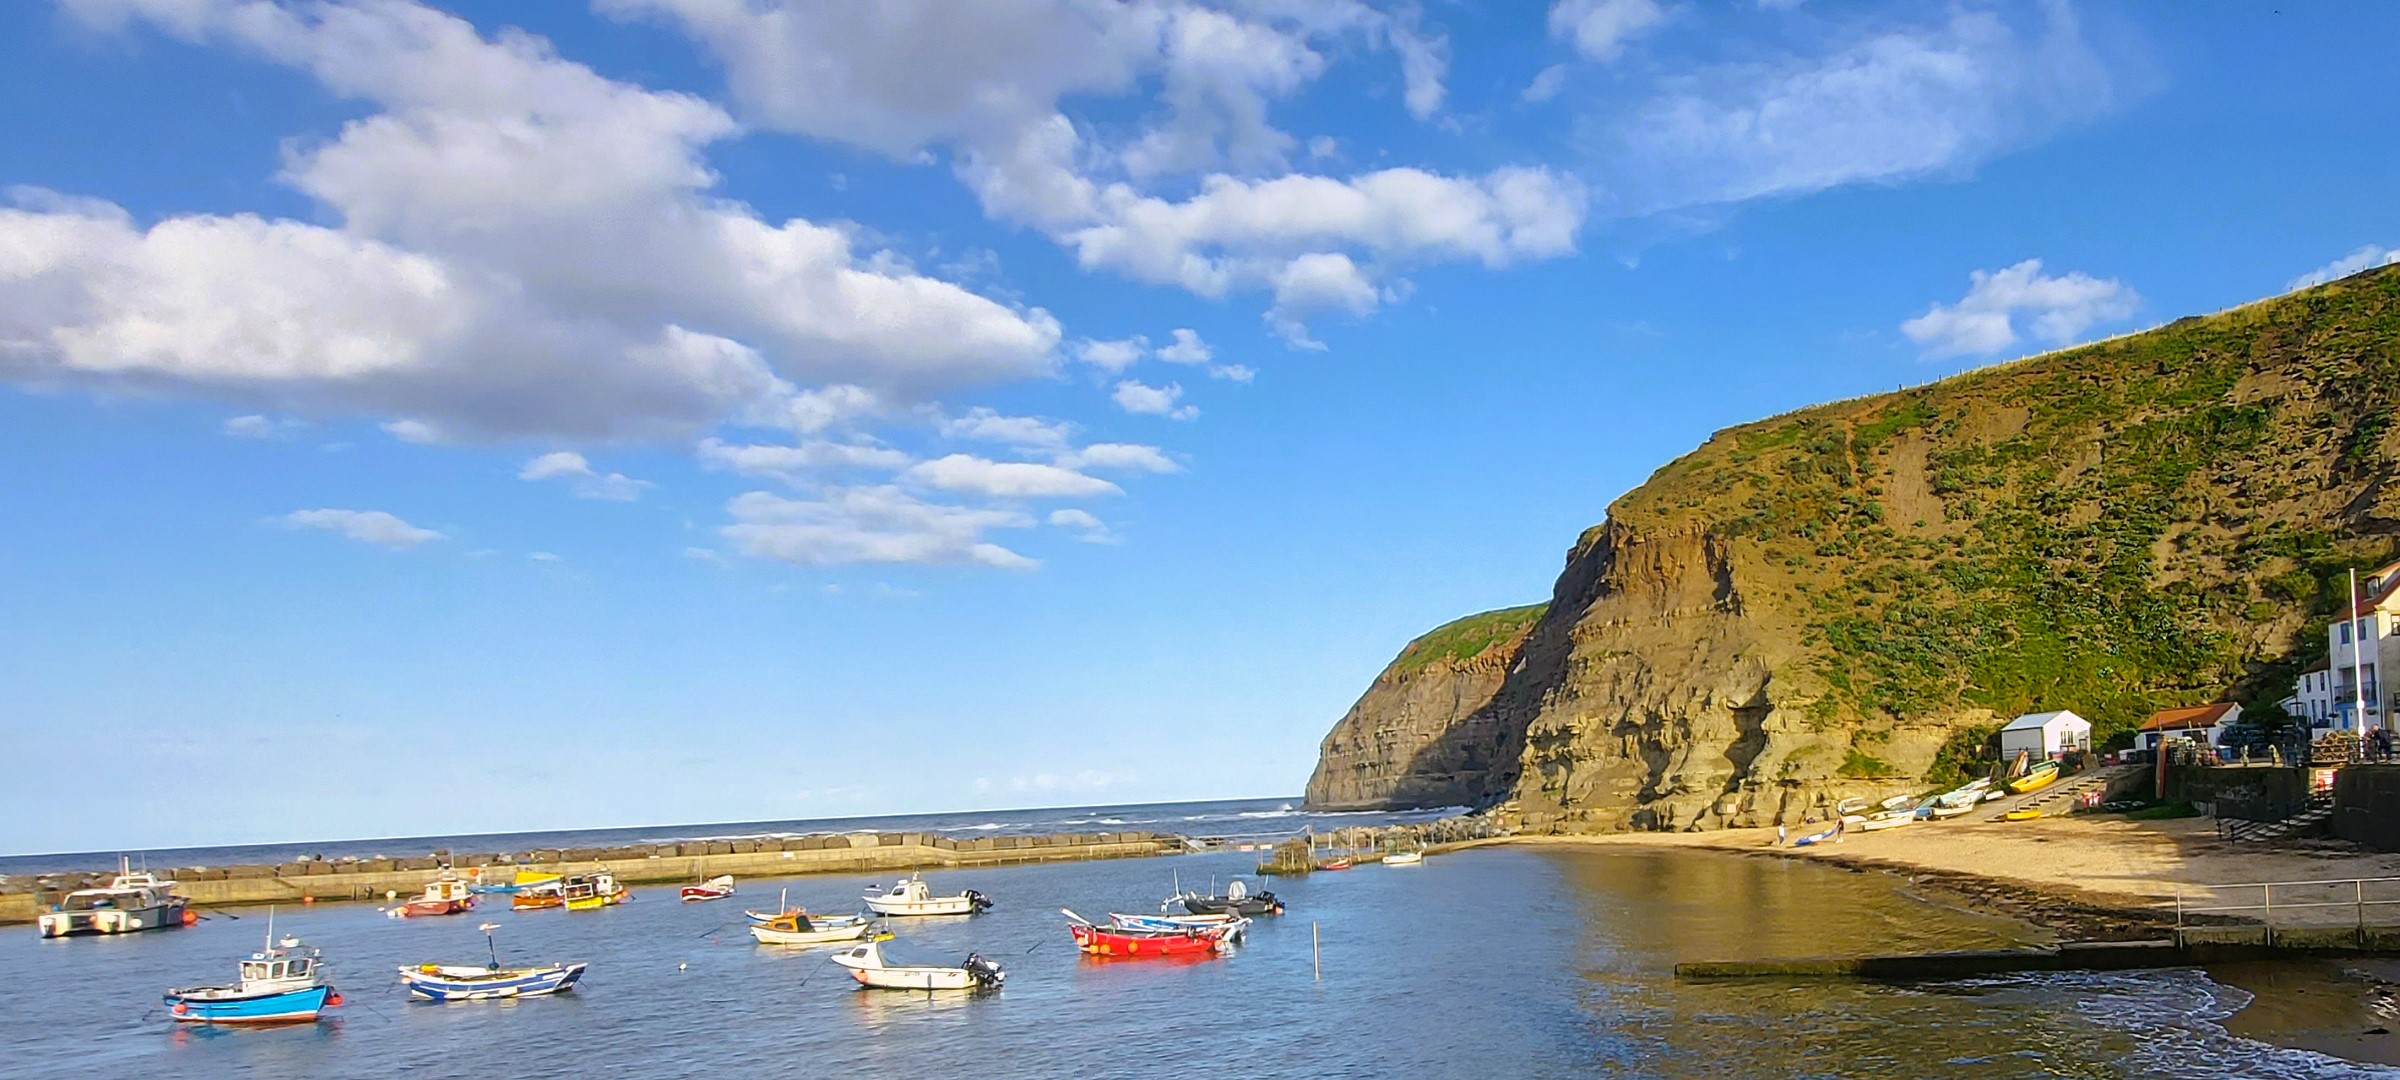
pixel 289 964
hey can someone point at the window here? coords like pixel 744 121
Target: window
pixel 2345 633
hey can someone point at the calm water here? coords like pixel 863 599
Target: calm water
pixel 1263 818
pixel 1490 963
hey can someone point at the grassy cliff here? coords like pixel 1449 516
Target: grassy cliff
pixel 2149 521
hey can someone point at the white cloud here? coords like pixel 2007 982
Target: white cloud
pixel 1546 84
pixel 523 247
pixel 870 525
pixel 1599 29
pixel 2366 257
pixel 1895 105
pixel 2054 309
pixel 366 526
pixel 1240 373
pixel 583 480
pixel 791 462
pixel 1138 397
pixel 1112 356
pixel 1092 529
pixel 901 77
pixel 970 475
pixel 706 555
pixel 413 431
pixel 1124 457
pixel 543 556
pixel 1187 348
pixel 1029 432
pixel 260 427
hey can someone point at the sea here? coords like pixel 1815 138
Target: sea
pixel 1492 962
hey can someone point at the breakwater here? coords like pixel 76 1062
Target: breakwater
pixel 317 880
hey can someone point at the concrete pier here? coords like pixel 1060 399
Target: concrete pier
pixel 645 864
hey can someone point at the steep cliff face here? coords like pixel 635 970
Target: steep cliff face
pixel 1843 600
pixel 1425 734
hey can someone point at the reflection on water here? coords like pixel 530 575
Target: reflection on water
pixel 1488 964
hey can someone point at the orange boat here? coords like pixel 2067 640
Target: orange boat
pixel 537 891
pixel 1130 942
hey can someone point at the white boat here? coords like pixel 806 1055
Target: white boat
pixel 1404 858
pixel 801 928
pixel 1890 819
pixel 1946 811
pixel 715 888
pixel 867 965
pixel 133 901
pixel 464 982
pixel 909 896
pixel 1237 926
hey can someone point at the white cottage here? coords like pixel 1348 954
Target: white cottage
pixel 2045 734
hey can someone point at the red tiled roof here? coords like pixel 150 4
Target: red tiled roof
pixel 2199 716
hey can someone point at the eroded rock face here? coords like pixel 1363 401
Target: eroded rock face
pixel 1424 734
pixel 1818 605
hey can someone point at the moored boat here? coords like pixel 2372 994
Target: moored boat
pixel 134 900
pixel 910 896
pixel 867 964
pixel 1335 864
pixel 1237 899
pixel 801 928
pixel 591 892
pixel 1237 926
pixel 444 896
pixel 466 982
pixel 716 888
pixel 535 891
pixel 283 983
pixel 1127 941
pixel 1404 858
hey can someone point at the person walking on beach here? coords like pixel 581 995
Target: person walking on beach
pixel 1778 835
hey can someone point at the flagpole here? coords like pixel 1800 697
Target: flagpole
pixel 2358 685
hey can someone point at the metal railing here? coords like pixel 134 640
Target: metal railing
pixel 2267 906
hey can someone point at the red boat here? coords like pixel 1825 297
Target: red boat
pixel 447 896
pixel 1337 864
pixel 1120 941
pixel 716 888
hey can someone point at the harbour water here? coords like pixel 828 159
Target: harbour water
pixel 1259 818
pixel 1493 962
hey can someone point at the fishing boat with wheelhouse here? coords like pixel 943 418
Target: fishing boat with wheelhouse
pixel 283 983
pixel 134 900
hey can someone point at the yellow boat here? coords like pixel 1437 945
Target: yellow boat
pixel 2041 776
pixel 591 892
pixel 2027 814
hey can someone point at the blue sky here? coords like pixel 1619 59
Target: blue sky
pixel 417 420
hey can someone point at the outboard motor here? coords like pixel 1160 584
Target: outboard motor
pixel 986 973
pixel 979 902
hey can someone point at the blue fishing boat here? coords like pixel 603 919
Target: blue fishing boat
pixel 283 983
pixel 463 982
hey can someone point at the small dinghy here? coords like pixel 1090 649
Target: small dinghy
pixel 1850 806
pixel 283 983
pixel 1404 858
pixel 1238 900
pixel 2042 775
pixel 2025 814
pixel 715 888
pixel 1128 941
pixel 463 982
pixel 909 896
pixel 866 963
pixel 1890 819
pixel 1238 926
pixel 1828 833
pixel 801 928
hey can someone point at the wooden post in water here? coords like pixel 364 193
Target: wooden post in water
pixel 1316 952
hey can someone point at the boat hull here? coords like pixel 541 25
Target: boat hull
pixel 216 1007
pixel 866 967
pixel 2034 782
pixel 111 920
pixel 595 903
pixel 417 909
pixel 1189 942
pixel 536 901
pixel 1261 904
pixel 821 935
pixel 482 984
pixel 937 905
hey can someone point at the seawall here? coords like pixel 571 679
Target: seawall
pixel 646 864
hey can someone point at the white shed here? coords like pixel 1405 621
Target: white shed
pixel 2045 734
